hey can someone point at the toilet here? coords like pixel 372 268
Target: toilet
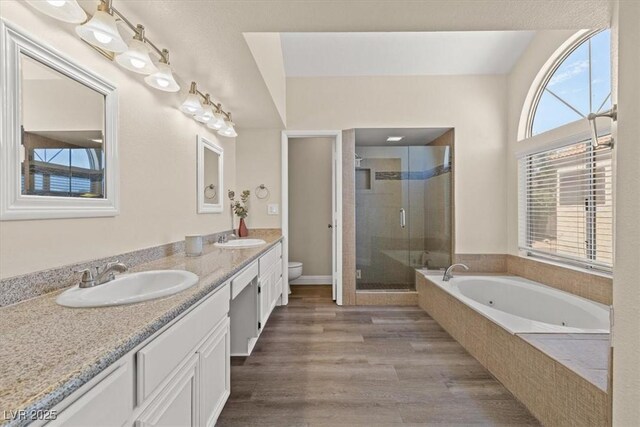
pixel 295 270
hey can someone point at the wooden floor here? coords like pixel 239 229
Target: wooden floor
pixel 317 364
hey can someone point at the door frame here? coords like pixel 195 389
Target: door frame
pixel 336 206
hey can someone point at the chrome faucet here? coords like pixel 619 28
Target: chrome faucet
pixel 102 275
pixel 448 274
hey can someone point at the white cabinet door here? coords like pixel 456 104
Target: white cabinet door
pixel 108 403
pixel 265 292
pixel 177 403
pixel 215 374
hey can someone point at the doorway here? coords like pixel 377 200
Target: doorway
pixel 311 211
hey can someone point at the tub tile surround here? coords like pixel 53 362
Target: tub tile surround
pixel 532 370
pixel 31 285
pixel 596 287
pixel 66 347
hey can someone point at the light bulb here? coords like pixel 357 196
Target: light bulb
pixel 101 31
pixel 102 37
pixel 64 10
pixel 192 104
pixel 137 58
pixel 162 79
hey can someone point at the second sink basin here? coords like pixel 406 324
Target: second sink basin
pixel 241 243
pixel 129 289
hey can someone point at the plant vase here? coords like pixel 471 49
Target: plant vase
pixel 243 231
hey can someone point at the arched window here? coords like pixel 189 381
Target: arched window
pixel 566 180
pixel 580 84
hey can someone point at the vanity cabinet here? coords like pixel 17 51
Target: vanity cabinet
pixel 178 377
pixel 181 376
pixel 269 282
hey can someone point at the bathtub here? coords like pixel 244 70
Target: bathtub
pixel 523 306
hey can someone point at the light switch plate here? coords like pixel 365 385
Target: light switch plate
pixel 272 209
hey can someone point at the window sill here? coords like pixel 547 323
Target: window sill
pixel 542 260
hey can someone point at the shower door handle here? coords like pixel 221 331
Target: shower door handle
pixel 403 218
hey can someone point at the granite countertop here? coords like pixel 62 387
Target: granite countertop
pixel 48 351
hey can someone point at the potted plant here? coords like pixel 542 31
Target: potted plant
pixel 241 209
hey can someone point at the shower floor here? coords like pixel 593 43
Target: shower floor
pixel 406 287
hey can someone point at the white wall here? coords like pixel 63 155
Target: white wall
pixel 626 284
pixel 310 204
pixel 476 106
pixel 259 162
pixel 157 152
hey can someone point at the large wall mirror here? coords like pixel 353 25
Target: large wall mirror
pixel 59 130
pixel 210 172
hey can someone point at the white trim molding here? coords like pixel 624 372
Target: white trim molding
pixel 336 279
pixel 206 144
pixel 312 280
pixel 13 204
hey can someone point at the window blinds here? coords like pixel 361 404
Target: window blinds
pixel 566 204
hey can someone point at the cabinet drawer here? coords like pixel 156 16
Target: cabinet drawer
pixel 267 260
pixel 279 250
pixel 163 355
pixel 239 282
pixel 108 403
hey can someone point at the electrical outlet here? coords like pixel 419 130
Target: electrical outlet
pixel 358 274
pixel 272 209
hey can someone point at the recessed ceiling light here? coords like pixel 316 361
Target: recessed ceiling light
pixel 394 138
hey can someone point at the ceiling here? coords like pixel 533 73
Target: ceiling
pixel 412 136
pixel 398 54
pixel 205 37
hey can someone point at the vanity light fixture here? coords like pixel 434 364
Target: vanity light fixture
pixel 395 138
pixel 63 10
pixel 137 58
pixel 191 105
pixel 206 115
pixel 102 31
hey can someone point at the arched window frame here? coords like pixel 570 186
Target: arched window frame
pixel 553 139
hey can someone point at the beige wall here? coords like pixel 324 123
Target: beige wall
pixel 259 162
pixel 474 105
pixel 310 204
pixel 157 152
pixel 626 285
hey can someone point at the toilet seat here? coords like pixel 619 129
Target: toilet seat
pixel 294 264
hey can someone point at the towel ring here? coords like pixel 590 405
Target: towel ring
pixel 262 192
pixel 210 187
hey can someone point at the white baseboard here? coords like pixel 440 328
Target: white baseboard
pixel 312 280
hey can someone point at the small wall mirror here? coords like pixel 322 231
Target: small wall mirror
pixel 210 172
pixel 60 132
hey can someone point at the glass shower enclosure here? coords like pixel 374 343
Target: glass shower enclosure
pixel 403 214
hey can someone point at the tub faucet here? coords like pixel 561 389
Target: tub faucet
pixel 448 274
pixel 102 275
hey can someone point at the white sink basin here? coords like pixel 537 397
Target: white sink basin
pixel 241 243
pixel 129 288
